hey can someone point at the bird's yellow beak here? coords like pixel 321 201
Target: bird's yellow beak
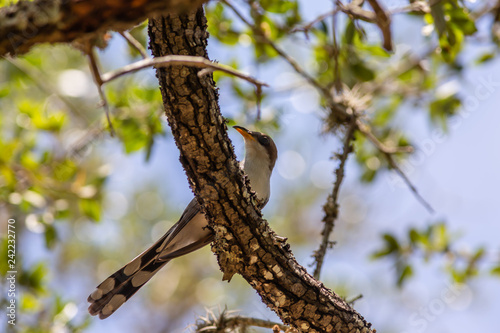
pixel 244 132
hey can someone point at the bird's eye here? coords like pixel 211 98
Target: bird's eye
pixel 264 141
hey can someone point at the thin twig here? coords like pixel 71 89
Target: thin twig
pixel 331 207
pixel 337 80
pixel 306 27
pixel 354 10
pixel 135 43
pixel 94 69
pixel 95 132
pixel 354 299
pixel 171 60
pixel 414 7
pixel 380 146
pixel 388 152
pixel 383 22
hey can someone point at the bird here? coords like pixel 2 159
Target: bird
pixel 190 233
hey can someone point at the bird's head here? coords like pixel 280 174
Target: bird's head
pixel 260 157
pixel 259 147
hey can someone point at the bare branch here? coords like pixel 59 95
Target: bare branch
pixel 353 9
pixel 331 207
pixel 383 22
pixel 171 60
pixel 414 7
pixel 388 152
pixel 94 69
pixel 354 299
pixel 135 44
pixel 336 50
pixel 306 27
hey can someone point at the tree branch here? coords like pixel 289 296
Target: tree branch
pixel 212 323
pixel 244 243
pixel 308 26
pixel 331 207
pixel 96 74
pixel 54 21
pixel 135 44
pixel 172 60
pixel 384 23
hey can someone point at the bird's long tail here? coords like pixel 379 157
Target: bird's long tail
pixel 124 283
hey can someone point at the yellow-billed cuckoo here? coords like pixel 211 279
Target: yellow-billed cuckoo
pixel 187 235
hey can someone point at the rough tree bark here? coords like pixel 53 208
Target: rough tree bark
pixel 244 242
pixel 53 21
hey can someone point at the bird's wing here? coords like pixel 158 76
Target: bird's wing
pixel 187 235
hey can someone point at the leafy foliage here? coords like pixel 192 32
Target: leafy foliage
pixel 435 240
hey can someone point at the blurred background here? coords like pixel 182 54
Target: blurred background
pixel 86 203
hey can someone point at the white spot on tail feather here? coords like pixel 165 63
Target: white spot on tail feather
pixel 132 266
pixel 106 286
pixel 113 304
pixel 97 294
pixel 141 277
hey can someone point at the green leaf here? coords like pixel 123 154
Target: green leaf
pixel 350 32
pixel 3 252
pixel 442 108
pixel 414 236
pixel 278 6
pixel 50 236
pixel 460 19
pixel 33 279
pixel 391 246
pixel 91 208
pixel 440 237
pixel 406 273
pixel 478 255
pixel 30 302
pixel 375 50
pixel 65 170
pixel 485 57
pixel 362 72
pixel 391 242
pixel 132 135
pixel 495 271
pixel 458 276
pixel 368 175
